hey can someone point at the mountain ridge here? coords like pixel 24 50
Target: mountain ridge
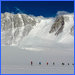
pixel 21 29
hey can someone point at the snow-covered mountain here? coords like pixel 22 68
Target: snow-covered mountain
pixel 15 26
pixel 26 38
pixel 59 24
pixel 30 32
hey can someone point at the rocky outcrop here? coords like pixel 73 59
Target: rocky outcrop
pixel 72 30
pixel 58 25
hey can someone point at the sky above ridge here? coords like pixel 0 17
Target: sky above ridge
pixel 37 8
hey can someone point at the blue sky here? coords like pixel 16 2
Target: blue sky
pixel 37 8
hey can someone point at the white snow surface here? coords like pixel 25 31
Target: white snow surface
pixel 18 61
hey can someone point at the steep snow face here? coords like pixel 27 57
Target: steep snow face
pixel 14 27
pixel 37 33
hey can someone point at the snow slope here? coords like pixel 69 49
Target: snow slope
pixel 17 61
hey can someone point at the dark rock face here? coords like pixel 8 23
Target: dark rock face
pixel 72 30
pixel 58 25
